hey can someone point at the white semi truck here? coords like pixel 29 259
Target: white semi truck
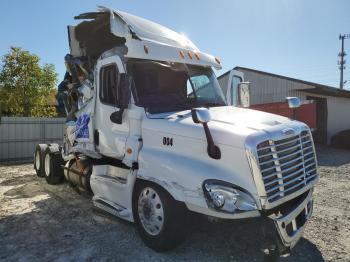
pixel 149 132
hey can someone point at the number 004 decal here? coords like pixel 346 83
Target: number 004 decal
pixel 168 141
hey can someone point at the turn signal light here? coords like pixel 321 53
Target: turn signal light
pixel 217 60
pixel 146 49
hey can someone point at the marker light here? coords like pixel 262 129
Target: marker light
pixel 189 55
pixel 182 54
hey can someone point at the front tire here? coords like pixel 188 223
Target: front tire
pixel 160 219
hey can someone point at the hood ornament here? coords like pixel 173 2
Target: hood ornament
pixel 288 132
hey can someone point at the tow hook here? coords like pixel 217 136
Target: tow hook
pixel 277 250
pixel 273 247
pixel 283 251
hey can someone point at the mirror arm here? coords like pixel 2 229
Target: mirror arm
pixel 213 150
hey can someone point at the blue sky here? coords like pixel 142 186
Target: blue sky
pixel 296 38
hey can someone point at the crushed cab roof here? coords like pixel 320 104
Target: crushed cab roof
pixel 141 28
pixel 163 43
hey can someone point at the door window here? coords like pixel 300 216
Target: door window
pixel 202 87
pixel 109 85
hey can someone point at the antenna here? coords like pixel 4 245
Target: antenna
pixel 342 61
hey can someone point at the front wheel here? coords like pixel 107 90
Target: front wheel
pixel 160 219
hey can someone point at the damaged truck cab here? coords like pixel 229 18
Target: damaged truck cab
pixel 149 132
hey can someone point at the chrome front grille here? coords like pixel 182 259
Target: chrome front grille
pixel 287 165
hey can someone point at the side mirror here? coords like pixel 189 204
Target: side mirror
pixel 203 116
pixel 293 102
pixel 200 115
pixel 123 103
pixel 244 94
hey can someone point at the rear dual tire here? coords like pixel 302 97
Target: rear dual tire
pixel 48 163
pixel 39 159
pixel 53 163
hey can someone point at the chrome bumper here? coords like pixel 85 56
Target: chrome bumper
pixel 291 226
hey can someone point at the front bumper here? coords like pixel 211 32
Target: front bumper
pixel 290 224
pixel 280 227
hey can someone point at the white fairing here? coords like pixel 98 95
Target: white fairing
pixel 163 43
pixel 114 185
pixel 148 30
pixel 73 43
pixel 228 83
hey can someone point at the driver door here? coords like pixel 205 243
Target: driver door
pixel 110 138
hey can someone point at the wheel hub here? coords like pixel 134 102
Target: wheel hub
pixel 150 211
pixel 47 165
pixel 37 160
pixel 147 210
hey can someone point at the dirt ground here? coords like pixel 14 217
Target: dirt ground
pixel 40 222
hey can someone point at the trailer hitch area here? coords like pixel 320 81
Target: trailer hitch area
pixel 290 225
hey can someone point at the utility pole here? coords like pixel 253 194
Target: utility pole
pixel 342 61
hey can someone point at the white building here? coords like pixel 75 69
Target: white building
pixel 332 104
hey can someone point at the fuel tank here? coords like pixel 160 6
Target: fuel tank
pixel 78 172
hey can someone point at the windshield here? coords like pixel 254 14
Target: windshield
pixel 167 87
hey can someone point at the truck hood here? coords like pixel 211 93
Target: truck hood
pixel 229 125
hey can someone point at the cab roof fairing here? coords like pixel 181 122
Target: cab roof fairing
pixel 148 30
pixel 161 52
pixel 163 43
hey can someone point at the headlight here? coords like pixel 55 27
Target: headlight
pixel 223 196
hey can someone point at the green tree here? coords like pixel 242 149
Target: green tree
pixel 25 86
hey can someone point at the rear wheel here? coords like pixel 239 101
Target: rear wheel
pixel 39 159
pixel 53 167
pixel 160 219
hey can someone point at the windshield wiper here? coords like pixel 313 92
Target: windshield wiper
pixel 212 104
pixel 162 108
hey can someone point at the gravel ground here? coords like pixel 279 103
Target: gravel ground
pixel 40 222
